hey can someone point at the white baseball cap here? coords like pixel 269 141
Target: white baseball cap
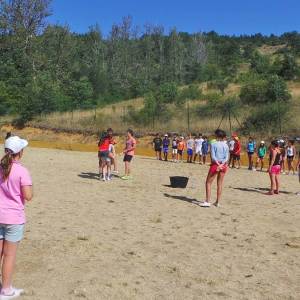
pixel 15 144
pixel 166 135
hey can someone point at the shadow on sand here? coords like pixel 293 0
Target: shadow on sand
pixel 259 190
pixel 183 198
pixel 89 175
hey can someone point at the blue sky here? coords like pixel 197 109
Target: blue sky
pixel 223 16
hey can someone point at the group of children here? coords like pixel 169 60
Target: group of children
pixel 195 147
pixel 107 155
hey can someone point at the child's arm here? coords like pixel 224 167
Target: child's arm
pixel 27 192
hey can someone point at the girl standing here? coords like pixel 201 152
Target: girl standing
pixel 15 190
pixel 261 153
pixel 274 167
pixel 218 168
pixel 290 155
pixel 128 153
pixel 103 155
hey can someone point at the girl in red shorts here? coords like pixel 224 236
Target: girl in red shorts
pixel 219 165
pixel 274 167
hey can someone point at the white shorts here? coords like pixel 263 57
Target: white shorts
pixel 174 151
pixel 198 151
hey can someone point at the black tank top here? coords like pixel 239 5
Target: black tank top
pixel 277 158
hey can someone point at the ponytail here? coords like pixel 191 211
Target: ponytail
pixel 6 163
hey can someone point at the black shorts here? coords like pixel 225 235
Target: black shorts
pixel 180 152
pixel 250 153
pixel 157 149
pixel 127 158
pixel 290 158
pixel 103 154
pixel 261 157
pixel 236 156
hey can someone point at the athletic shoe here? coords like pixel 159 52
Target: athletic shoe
pixel 204 204
pixel 216 204
pixel 14 293
pixel 125 177
pixel 253 169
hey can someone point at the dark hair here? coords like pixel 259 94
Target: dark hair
pixel 102 137
pixel 131 131
pixel 221 134
pixel 275 143
pixel 8 135
pixel 292 142
pixel 109 130
pixel 6 163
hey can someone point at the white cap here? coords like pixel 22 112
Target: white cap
pixel 15 144
pixel 262 142
pixel 166 135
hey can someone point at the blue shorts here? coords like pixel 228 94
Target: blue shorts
pixel 11 233
pixel 165 150
pixel 190 151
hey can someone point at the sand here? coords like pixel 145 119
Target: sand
pixel 141 239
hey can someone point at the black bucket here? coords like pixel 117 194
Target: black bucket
pixel 178 181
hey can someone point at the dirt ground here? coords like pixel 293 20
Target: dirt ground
pixel 141 239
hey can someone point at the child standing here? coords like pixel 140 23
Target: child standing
pixel 198 148
pixel 190 148
pixel 180 147
pixel 274 167
pixel 290 154
pixel 261 153
pixel 157 144
pixel 15 190
pixel 237 152
pixel 218 168
pixel 103 155
pixel 112 150
pixel 204 149
pixel 251 148
pixel 166 143
pixel 128 153
pixel 174 148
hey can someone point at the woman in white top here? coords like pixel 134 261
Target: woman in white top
pixel 290 155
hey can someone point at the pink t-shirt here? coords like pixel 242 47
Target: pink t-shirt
pixel 12 203
pixel 130 143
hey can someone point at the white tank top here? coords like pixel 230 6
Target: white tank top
pixel 290 151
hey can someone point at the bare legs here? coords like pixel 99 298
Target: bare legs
pixel 209 180
pixel 8 252
pixel 274 179
pixel 127 168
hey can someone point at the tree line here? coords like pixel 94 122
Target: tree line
pixel 46 67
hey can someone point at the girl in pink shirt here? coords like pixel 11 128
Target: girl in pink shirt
pixel 15 189
pixel 128 153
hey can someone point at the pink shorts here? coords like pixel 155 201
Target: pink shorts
pixel 214 169
pixel 275 170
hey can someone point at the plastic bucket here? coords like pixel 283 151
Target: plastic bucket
pixel 178 181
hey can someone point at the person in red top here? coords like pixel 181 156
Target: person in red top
pixel 236 152
pixel 103 155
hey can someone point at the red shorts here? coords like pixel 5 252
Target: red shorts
pixel 214 169
pixel 275 170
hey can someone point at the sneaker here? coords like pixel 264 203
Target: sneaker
pixel 298 194
pixel 108 178
pixel 12 294
pixel 216 204
pixel 253 169
pixel 103 178
pixel 125 177
pixel 205 204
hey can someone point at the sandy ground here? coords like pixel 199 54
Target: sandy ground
pixel 141 239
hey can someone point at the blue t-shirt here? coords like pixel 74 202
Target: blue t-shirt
pixel 251 147
pixel 205 147
pixel 166 143
pixel 219 152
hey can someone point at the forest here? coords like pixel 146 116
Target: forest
pixel 47 68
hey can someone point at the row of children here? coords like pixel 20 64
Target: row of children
pixel 220 158
pixel 107 155
pixel 195 147
pixel 288 151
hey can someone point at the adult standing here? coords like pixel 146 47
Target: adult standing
pixel 129 151
pixel 251 149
